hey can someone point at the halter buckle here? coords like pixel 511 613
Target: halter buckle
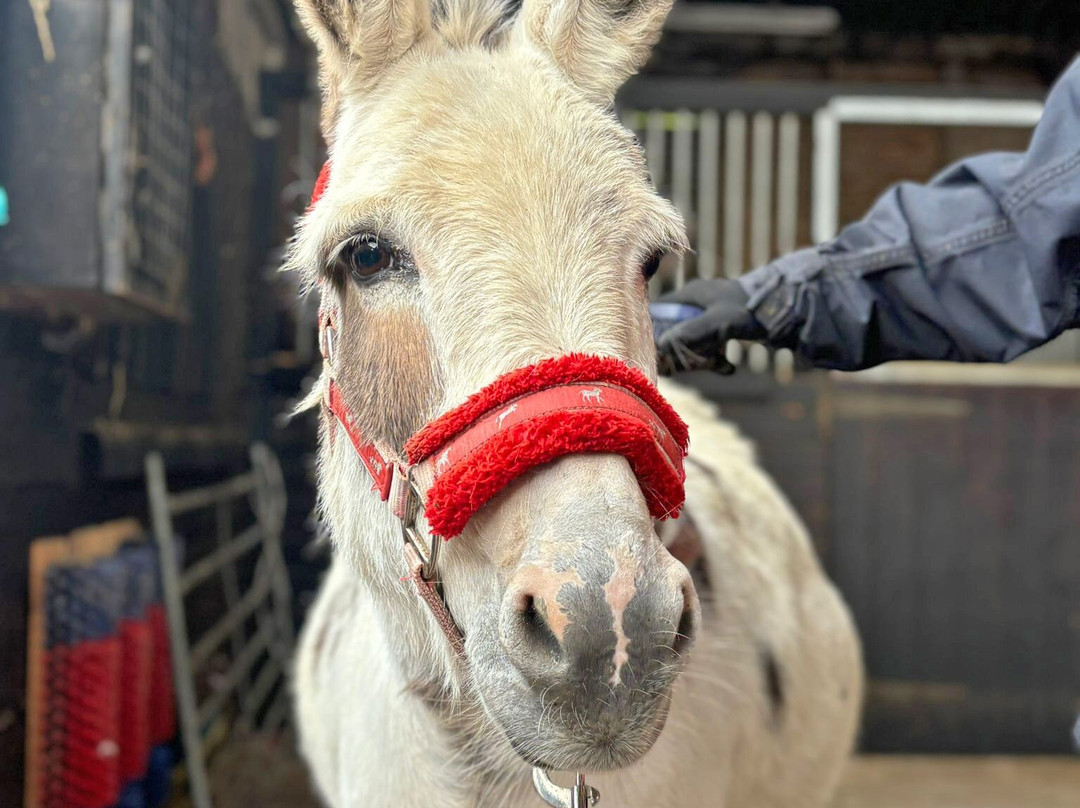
pixel 413 499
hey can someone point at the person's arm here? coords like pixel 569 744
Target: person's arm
pixel 979 265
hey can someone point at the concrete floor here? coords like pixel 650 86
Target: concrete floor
pixel 957 782
pixel 268 774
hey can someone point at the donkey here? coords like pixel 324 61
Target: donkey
pixel 485 211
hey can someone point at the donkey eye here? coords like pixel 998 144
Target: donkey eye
pixel 366 256
pixel 652 264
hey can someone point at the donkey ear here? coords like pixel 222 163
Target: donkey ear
pixel 358 40
pixel 599 44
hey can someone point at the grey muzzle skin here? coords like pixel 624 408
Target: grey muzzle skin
pixel 594 624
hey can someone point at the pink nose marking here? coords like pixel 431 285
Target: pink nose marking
pixel 543 584
pixel 619 591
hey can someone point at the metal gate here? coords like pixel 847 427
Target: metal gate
pixel 257 624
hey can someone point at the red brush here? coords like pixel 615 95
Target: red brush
pixel 162 709
pixel 81 721
pixel 136 644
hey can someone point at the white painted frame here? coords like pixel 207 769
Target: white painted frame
pixel 904 111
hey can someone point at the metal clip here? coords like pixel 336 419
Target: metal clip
pixel 329 340
pixel 579 795
pixel 429 556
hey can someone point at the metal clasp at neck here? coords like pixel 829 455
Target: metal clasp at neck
pixel 578 795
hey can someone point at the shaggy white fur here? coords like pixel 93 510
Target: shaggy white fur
pixel 370 740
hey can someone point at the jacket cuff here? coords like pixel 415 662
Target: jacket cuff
pixel 773 292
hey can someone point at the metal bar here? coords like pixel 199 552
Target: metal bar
pixel 787 184
pixel 825 210
pixel 236 673
pixel 196 498
pixel 279 656
pixel 734 352
pixel 754 20
pixel 253 598
pixel 230 583
pixel 734 193
pixel 117 184
pixel 912 111
pixel 761 181
pixel 187 704
pixel 268 677
pixel 784 366
pixel 757 358
pixel 278 712
pixel 708 192
pixel 270 510
pixel 778 97
pixel 656 146
pixel 897 111
pixel 224 555
pixel 682 177
pixel 656 157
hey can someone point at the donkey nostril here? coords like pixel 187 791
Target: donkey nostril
pixel 684 634
pixel 535 625
pixel 528 611
pixel 687 628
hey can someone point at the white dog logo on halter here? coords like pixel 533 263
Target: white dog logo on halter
pixel 592 395
pixel 505 414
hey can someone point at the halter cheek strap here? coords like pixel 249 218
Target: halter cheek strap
pixel 395 484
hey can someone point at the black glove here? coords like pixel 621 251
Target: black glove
pixel 700 343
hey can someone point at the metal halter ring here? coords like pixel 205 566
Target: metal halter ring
pixel 429 556
pixel 578 795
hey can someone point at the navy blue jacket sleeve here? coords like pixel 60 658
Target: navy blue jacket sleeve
pixel 979 265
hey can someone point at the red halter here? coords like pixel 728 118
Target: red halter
pixel 572 404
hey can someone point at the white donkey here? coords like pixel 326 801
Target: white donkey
pixel 486 211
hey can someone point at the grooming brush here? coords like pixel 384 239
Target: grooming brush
pixel 137 650
pixel 81 708
pixel 666 316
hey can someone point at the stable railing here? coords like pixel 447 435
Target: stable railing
pixel 753 184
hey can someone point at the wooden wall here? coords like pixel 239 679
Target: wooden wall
pixel 945 502
pixel 955 515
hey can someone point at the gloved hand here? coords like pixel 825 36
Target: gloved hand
pixel 699 343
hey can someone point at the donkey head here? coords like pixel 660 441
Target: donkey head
pixel 486 210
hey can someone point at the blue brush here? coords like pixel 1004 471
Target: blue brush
pixel 669 315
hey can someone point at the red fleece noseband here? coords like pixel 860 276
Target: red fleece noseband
pixel 574 404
